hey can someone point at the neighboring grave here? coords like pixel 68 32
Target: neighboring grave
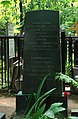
pixel 41 50
pixel 10 32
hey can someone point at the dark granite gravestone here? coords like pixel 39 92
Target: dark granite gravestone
pixel 41 50
pixel 41 56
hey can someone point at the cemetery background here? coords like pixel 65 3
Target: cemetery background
pixel 71 99
pixel 28 5
pixel 8 14
pixel 19 84
pixel 64 39
pixel 9 10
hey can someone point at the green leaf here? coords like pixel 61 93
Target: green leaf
pixel 41 102
pixel 15 1
pixel 42 83
pixel 56 107
pixel 50 114
pixel 72 117
pixel 67 79
pixel 5 3
pixel 46 94
pixel 40 87
pixel 39 112
pixel 35 96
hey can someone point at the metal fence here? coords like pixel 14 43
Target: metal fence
pixel 69 53
pixel 11 57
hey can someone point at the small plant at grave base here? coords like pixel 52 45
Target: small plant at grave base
pixel 51 113
pixel 37 109
pixel 35 96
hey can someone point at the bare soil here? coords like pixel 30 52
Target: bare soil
pixel 8 104
pixel 73 101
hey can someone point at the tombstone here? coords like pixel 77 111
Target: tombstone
pixel 10 32
pixel 41 55
pixel 41 50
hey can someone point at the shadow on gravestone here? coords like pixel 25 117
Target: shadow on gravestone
pixel 41 50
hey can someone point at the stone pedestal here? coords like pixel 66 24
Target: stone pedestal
pixel 21 102
pixel 74 112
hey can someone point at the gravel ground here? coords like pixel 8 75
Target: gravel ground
pixel 73 101
pixel 8 104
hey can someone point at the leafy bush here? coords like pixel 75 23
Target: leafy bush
pixel 67 79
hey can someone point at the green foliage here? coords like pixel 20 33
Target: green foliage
pixel 51 113
pixel 73 117
pixel 38 100
pixel 41 85
pixel 2 27
pixel 68 10
pixel 9 13
pixel 5 3
pixel 39 112
pixel 37 109
pixel 35 96
pixel 67 79
pixel 68 69
pixel 54 110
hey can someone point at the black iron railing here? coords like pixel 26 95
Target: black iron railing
pixel 11 51
pixel 11 59
pixel 69 53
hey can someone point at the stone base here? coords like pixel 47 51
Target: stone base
pixel 74 112
pixel 2 115
pixel 21 102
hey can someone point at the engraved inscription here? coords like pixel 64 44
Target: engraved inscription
pixel 41 49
